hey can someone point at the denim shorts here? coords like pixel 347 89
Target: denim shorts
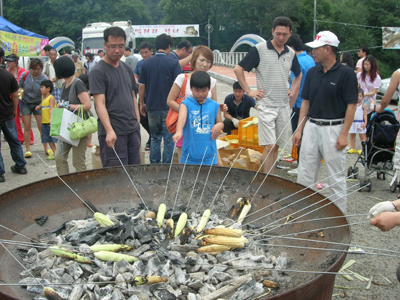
pixel 28 108
pixel 46 138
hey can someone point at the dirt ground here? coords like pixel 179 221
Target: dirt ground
pixel 363 235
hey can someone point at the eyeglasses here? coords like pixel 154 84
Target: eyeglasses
pixel 113 47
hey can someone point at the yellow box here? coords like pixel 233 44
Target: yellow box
pixel 243 162
pixel 248 137
pixel 229 139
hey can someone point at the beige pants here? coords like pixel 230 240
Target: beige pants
pixel 78 156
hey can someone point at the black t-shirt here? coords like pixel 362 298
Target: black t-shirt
pixel 330 92
pixel 241 111
pixel 8 85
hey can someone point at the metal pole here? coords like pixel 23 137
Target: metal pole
pixel 1 8
pixel 208 33
pixel 315 18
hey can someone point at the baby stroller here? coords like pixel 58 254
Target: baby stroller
pixel 378 150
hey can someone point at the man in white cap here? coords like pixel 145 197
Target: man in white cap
pixel 329 102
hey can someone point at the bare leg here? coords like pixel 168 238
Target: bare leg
pixel 352 138
pixel 27 131
pixel 269 163
pixel 363 137
pixel 179 151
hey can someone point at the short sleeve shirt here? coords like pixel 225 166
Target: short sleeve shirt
pixel 8 85
pixel 31 88
pixel 117 85
pixel 179 81
pixel 329 93
pixel 241 111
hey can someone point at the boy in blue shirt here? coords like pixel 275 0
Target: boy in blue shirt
pixel 200 122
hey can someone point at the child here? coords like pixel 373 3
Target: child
pixel 47 105
pixel 200 122
pixel 359 124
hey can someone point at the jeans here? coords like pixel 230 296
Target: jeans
pixel 10 133
pixel 159 131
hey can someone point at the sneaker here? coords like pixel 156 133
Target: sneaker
pixel 22 171
pixel 89 145
pixel 352 151
pixel 292 172
pixel 359 152
pixel 2 179
pixel 50 157
pixel 28 154
pixel 50 152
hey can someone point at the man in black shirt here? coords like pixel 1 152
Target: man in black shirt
pixel 239 105
pixel 329 102
pixel 8 109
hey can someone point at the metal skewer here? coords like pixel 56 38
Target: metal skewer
pixel 205 184
pixel 20 234
pixel 179 185
pixel 169 172
pixel 134 186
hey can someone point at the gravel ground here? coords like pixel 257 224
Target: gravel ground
pixel 363 235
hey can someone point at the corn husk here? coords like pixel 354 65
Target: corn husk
pixel 69 255
pixel 270 284
pixel 103 219
pixel 245 210
pixel 213 249
pixel 203 221
pixel 169 229
pixel 51 294
pixel 224 232
pixel 181 224
pixel 236 209
pixel 150 215
pixel 112 256
pixel 110 247
pixel 231 242
pixel 161 214
pixel 140 280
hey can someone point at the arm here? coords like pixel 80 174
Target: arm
pixel 374 92
pixel 183 62
pixel 305 106
pixel 52 104
pixel 142 91
pixel 394 82
pixel 348 120
pixel 100 102
pixel 85 101
pixel 386 220
pixel 135 104
pixel 239 72
pixel 218 127
pixel 181 123
pixel 228 116
pixel 173 94
pixel 14 97
pixel 294 91
pixel 365 117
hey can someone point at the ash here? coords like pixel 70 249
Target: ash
pixel 236 274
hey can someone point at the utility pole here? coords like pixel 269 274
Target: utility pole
pixel 1 8
pixel 315 19
pixel 209 29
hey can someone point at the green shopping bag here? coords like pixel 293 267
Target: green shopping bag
pixel 61 122
pixel 56 121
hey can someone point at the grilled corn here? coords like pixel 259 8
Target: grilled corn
pixel 111 256
pixel 169 229
pixel 69 255
pixel 270 284
pixel 181 224
pixel 110 247
pixel 51 294
pixel 187 231
pixel 231 242
pixel 160 214
pixel 237 233
pixel 139 280
pixel 203 221
pixel 245 210
pixel 213 249
pixel 103 219
pixel 236 209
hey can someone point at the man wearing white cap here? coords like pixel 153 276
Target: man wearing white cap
pixel 330 101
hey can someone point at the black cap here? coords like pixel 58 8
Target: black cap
pixel 11 58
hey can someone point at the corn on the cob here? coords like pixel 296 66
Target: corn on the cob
pixel 111 256
pixel 110 247
pixel 69 255
pixel 150 215
pixel 160 214
pixel 245 210
pixel 226 241
pixel 203 243
pixel 139 280
pixel 270 284
pixel 51 294
pixel 20 94
pixel 252 122
pixel 181 224
pixel 169 229
pixel 236 209
pixel 203 221
pixel 213 249
pixel 224 232
pixel 103 219
pixel 185 235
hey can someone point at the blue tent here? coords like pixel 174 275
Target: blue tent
pixel 10 27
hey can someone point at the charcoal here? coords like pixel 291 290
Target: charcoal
pixel 220 276
pixel 128 232
pixel 87 268
pixel 92 278
pixel 90 239
pixel 167 270
pixel 89 295
pixel 103 230
pixel 134 297
pixel 128 277
pixel 147 255
pixel 196 284
pixel 181 277
pixel 45 254
pixel 37 289
pixel 121 266
pixel 173 256
pixel 225 256
pixel 120 281
pixel 196 266
pixel 76 293
pixel 104 291
pixel 282 261
pixel 186 290
pixel 109 237
pixel 83 248
pixel 139 268
pixel 153 266
pixel 214 281
pixel 122 217
pixel 142 249
pixel 41 220
pixel 206 289
pixel 118 236
pixel 217 269
pixel 191 296
pixel 75 270
pixel 248 291
pixel 205 266
pixel 66 278
pixel 76 236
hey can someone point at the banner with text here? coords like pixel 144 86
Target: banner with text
pixel 21 45
pixel 152 31
pixel 391 37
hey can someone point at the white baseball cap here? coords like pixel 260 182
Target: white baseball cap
pixel 324 38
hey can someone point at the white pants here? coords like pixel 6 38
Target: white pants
pixel 319 142
pixel 396 158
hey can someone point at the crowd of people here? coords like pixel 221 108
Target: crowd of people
pixel 328 99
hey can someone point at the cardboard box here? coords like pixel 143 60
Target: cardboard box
pixel 243 162
pixel 96 161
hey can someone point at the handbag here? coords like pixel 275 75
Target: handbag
pixel 61 122
pixel 172 117
pixel 82 127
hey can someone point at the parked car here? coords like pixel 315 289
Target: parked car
pixel 383 88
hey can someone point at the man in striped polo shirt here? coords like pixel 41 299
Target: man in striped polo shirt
pixel 329 101
pixel 273 62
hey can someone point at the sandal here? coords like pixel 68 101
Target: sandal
pixel 28 154
pixel 50 152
